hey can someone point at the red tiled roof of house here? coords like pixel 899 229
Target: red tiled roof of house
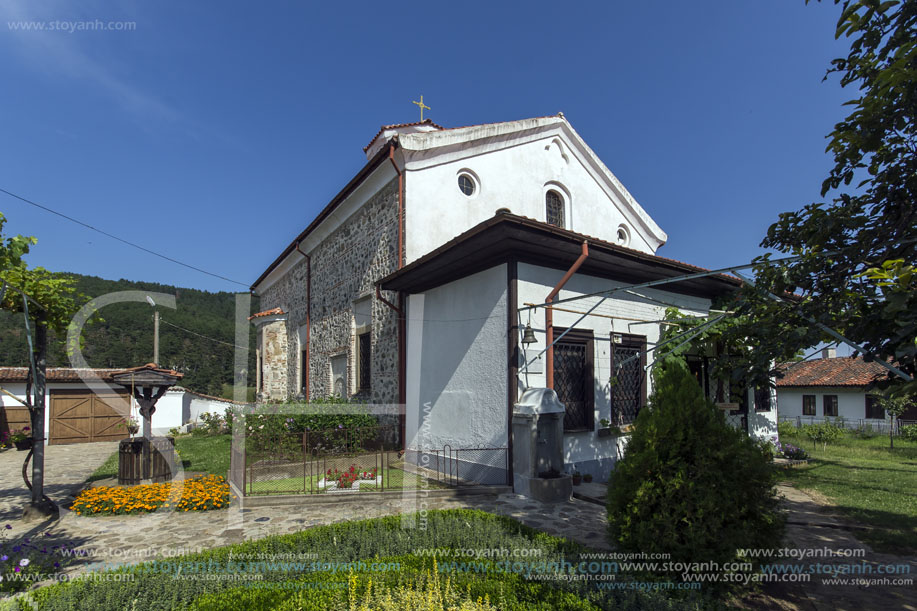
pixel 397 125
pixel 270 312
pixel 56 374
pixel 840 371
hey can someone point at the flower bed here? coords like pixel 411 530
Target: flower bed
pixel 25 561
pixel 196 494
pixel 791 452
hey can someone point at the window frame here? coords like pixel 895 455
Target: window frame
pixel 811 409
pixel 562 208
pixel 826 399
pixel 872 407
pixel 632 340
pixel 763 399
pixel 583 337
pixel 363 376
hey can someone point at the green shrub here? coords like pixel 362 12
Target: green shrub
pixel 823 433
pixel 690 485
pixel 786 428
pixel 154 588
pixel 422 587
pixel 909 432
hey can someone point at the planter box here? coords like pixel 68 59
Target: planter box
pixel 605 432
pixel 25 444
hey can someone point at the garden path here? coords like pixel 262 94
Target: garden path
pixel 66 468
pixel 113 540
pixel 812 525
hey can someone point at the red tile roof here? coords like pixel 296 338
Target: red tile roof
pixel 270 312
pixel 841 371
pixel 397 125
pixel 56 374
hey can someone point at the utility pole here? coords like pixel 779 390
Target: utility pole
pixel 156 337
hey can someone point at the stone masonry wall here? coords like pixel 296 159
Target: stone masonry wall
pixel 345 268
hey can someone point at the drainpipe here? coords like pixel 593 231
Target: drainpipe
pixel 549 315
pixel 402 323
pixel 391 157
pixel 308 320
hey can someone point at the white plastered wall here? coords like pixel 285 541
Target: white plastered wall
pixel 456 364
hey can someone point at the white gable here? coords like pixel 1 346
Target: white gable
pixel 513 165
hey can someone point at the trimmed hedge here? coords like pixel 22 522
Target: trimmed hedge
pixel 153 587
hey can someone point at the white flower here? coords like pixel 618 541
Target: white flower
pixel 261 427
pixel 24 562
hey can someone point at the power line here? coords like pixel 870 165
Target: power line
pixel 213 339
pixel 122 240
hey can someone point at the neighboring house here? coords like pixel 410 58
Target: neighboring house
pixel 410 288
pixel 80 411
pixel 832 387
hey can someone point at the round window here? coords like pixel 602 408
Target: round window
pixel 466 184
pixel 622 236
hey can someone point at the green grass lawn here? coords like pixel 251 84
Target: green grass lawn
pixel 209 454
pixel 869 483
pixel 394 479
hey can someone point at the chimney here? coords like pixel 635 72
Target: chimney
pixel 829 353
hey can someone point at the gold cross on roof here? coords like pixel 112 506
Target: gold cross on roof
pixel 422 106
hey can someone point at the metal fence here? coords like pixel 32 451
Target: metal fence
pixel 361 460
pixel 860 424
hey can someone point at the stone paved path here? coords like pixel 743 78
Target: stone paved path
pixel 66 468
pixel 113 540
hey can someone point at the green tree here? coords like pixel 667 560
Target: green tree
pixel 869 222
pixel 50 302
pixel 894 403
pixel 690 485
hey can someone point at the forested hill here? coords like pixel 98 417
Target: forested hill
pixel 125 337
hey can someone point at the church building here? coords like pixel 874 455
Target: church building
pixel 423 284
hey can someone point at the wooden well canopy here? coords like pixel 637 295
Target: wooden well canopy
pixel 148 384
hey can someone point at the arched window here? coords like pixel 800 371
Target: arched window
pixel 554 208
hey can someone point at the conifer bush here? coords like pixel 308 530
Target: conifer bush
pixel 690 484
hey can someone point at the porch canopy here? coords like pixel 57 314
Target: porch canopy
pixel 506 237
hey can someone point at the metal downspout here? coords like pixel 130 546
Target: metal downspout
pixel 549 315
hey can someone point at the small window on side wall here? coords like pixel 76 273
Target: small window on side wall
pixel 808 405
pixel 829 406
pixel 554 208
pixel 762 399
pixel 873 409
pixel 364 360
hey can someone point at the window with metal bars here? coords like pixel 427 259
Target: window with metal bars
pixel 554 208
pixel 364 360
pixel 628 377
pixel 573 378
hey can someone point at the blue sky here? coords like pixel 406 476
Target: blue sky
pixel 215 131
